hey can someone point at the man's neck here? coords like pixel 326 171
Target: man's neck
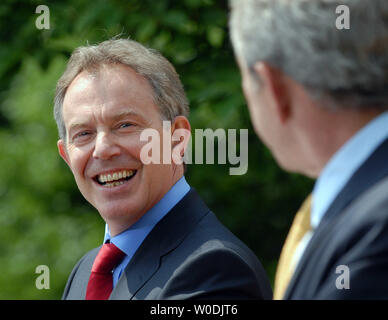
pixel 118 226
pixel 338 130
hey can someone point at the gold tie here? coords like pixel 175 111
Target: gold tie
pixel 300 226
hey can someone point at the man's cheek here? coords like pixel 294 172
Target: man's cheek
pixel 79 162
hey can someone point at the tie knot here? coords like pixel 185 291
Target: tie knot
pixel 107 258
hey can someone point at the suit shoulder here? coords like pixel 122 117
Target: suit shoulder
pixel 369 210
pixel 87 257
pixel 357 238
pixel 213 235
pixel 213 255
pixel 80 272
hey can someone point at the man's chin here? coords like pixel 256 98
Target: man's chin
pixel 285 163
pixel 119 216
pixel 299 168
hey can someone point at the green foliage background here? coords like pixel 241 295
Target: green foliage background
pixel 43 218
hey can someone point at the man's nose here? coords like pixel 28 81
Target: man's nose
pixel 105 147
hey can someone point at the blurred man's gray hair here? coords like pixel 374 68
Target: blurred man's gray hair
pixel 300 38
pixel 168 90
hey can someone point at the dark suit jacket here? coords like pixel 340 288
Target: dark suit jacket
pixel 353 233
pixel 188 255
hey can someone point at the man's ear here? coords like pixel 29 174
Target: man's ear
pixel 62 151
pixel 274 83
pixel 180 136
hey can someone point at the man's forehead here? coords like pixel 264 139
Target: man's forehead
pixel 110 79
pixel 117 86
pixel 81 81
pixel 81 90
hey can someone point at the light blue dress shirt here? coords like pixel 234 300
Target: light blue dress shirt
pixel 340 168
pixel 130 240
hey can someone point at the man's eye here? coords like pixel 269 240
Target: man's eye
pixel 126 125
pixel 81 134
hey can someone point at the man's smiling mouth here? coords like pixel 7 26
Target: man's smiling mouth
pixel 115 179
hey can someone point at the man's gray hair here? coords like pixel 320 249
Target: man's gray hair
pixel 299 37
pixel 167 88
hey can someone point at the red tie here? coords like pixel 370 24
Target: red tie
pixel 100 283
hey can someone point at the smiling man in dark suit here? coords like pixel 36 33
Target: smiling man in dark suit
pixel 161 241
pixel 317 95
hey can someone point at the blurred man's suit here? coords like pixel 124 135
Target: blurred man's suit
pixel 184 257
pixel 351 238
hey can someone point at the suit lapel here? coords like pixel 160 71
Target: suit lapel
pixel 165 237
pixel 371 171
pixel 139 270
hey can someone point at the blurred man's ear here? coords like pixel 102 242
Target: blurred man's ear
pixel 273 82
pixel 180 136
pixel 62 151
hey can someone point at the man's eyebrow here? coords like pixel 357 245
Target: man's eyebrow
pixel 130 113
pixel 125 113
pixel 76 125
pixel 115 117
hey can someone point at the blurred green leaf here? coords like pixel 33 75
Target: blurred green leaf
pixel 215 35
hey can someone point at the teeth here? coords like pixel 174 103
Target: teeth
pixel 114 184
pixel 115 176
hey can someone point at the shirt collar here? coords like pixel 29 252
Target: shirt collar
pixel 345 163
pixel 130 239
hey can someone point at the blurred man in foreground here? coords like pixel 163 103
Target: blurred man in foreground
pixel 318 96
pixel 161 241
